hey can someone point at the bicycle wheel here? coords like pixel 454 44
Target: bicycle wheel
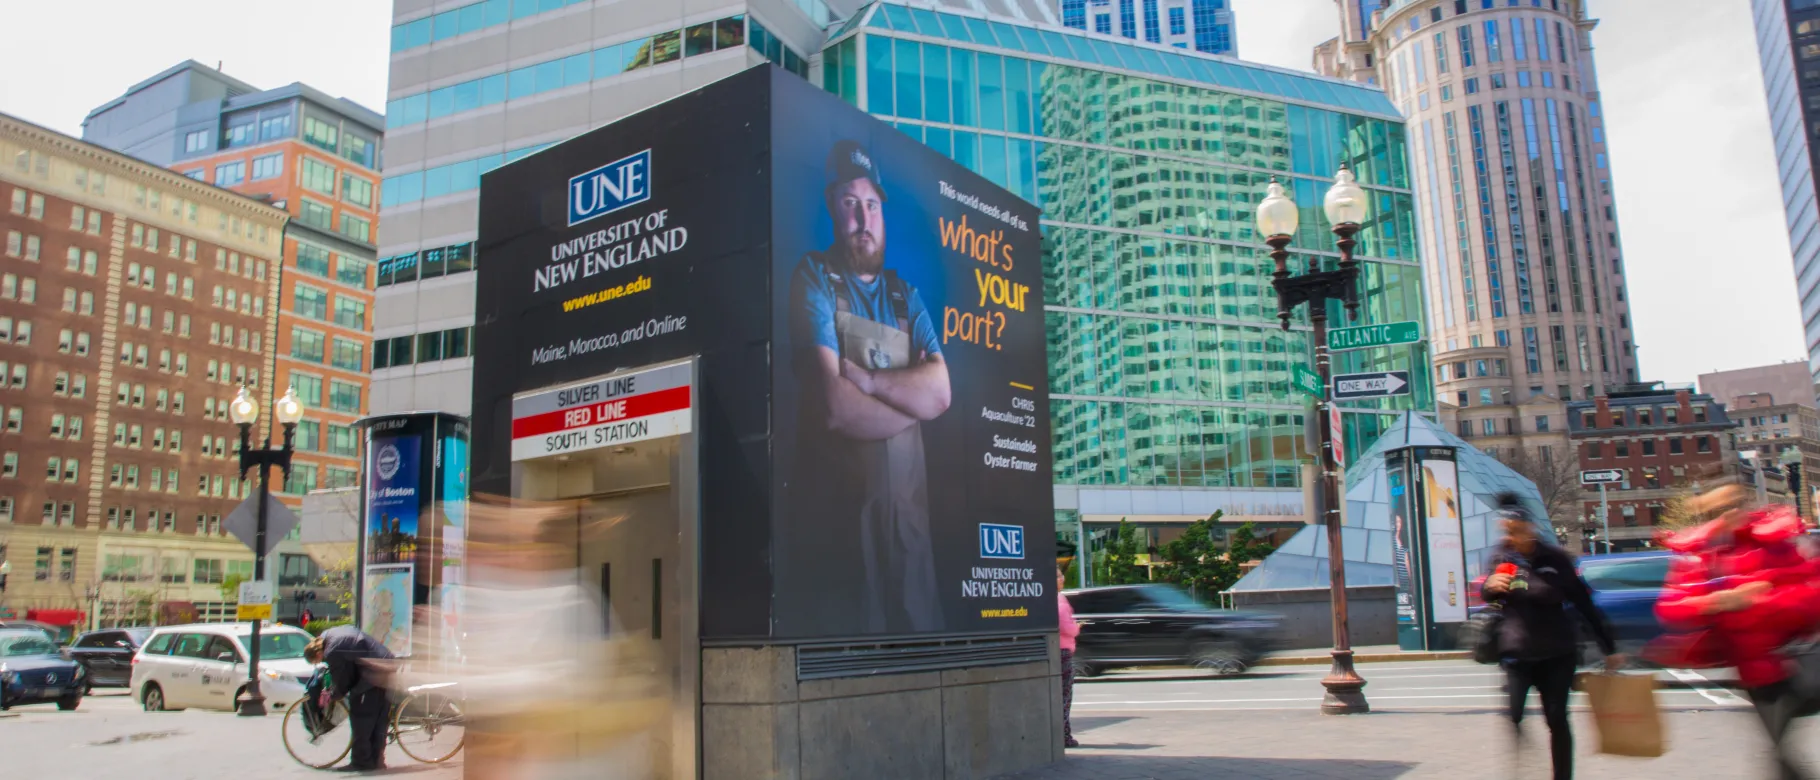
pixel 429 727
pixel 317 750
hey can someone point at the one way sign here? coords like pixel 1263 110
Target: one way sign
pixel 1378 384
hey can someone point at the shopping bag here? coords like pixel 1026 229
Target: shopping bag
pixel 1624 709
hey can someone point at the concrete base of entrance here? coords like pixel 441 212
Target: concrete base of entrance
pixel 760 723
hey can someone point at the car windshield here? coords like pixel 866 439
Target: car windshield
pixel 1626 573
pixel 282 645
pixel 1172 599
pixel 24 643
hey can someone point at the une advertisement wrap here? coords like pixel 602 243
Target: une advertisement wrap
pixel 911 395
pixel 412 537
pixel 867 317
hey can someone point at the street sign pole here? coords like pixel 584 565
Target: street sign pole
pixel 1604 518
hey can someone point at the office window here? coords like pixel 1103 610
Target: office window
pixel 307 345
pixel 230 174
pixel 268 166
pixel 1623 448
pixel 302 479
pixel 357 228
pixel 316 214
pixel 350 313
pixel 349 354
pixel 356 190
pixel 319 176
pixel 309 389
pixel 320 134
pixel 196 141
pixel 344 396
pixel 1703 444
pixel 309 435
pixel 310 302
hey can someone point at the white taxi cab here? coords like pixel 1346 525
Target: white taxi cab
pixel 204 666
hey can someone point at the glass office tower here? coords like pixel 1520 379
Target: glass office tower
pixel 1202 25
pixel 1170 377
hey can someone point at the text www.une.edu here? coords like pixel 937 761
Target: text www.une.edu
pixel 653 327
pixel 1005 613
pixel 615 292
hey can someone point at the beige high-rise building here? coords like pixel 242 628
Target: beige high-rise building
pixel 1518 234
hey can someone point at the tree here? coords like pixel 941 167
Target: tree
pixel 1557 480
pixel 1117 564
pixel 1195 562
pixel 1679 512
pixel 230 587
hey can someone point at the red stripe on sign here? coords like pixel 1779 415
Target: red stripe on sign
pixel 628 408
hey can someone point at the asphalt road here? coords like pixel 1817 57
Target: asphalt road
pixel 110 737
pixel 1433 685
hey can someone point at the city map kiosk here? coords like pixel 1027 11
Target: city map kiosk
pixel 780 369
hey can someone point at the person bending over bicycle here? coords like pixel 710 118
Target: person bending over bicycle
pixel 356 676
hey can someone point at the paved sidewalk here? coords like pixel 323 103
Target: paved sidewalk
pixel 1470 743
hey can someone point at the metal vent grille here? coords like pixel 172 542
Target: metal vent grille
pixel 820 662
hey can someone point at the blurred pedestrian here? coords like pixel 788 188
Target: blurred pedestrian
pixel 1537 641
pixel 548 693
pixel 1741 593
pixel 358 672
pixel 1069 630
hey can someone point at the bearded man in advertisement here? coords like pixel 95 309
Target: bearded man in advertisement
pixel 871 370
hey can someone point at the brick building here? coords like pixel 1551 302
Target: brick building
pixel 133 301
pixel 317 157
pixel 1774 406
pixel 1663 439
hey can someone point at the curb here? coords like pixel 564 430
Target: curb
pixel 1367 658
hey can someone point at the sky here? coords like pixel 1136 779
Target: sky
pixel 1691 264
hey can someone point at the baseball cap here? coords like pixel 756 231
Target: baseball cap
pixel 848 160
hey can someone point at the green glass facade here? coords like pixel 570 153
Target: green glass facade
pixel 1167 364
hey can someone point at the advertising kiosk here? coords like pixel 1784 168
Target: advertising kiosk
pixel 789 366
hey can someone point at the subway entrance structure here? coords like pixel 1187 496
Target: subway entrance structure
pixel 793 361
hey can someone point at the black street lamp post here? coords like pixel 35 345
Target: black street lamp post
pixel 1278 217
pixel 244 411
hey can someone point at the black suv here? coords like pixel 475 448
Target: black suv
pixel 108 654
pixel 1159 625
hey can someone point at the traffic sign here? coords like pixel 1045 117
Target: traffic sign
pixel 1306 380
pixel 255 601
pixel 1602 477
pixel 1386 335
pixel 1377 384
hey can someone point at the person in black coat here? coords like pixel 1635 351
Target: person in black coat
pixel 350 654
pixel 1538 641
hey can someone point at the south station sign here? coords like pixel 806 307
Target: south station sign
pixel 607 412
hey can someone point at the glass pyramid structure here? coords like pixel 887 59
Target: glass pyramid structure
pixel 1302 561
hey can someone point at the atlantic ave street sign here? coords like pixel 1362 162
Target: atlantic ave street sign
pixel 1386 335
pixel 1602 477
pixel 1377 384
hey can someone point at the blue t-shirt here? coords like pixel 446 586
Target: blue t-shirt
pixel 813 297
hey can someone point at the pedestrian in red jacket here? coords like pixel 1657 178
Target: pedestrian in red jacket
pixel 1742 591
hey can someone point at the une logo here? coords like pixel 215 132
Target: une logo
pixel 388 461
pixel 1001 541
pixel 610 187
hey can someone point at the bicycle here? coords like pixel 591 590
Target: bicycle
pixel 428 724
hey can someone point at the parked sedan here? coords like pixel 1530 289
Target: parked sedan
pixel 1159 625
pixel 107 655
pixel 33 672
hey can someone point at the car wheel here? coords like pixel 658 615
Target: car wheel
pixel 153 698
pixel 1220 657
pixel 234 706
pixel 68 703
